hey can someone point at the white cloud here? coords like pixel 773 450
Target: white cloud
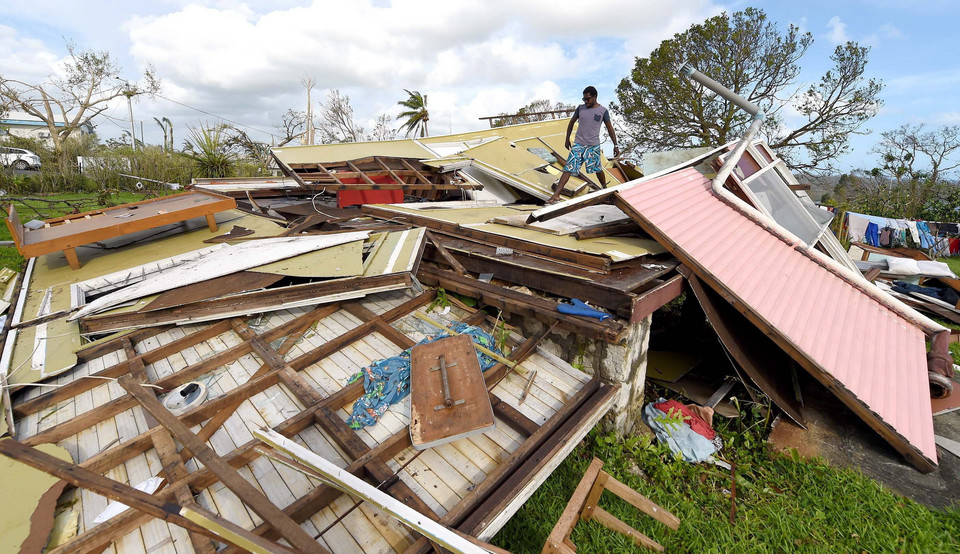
pixel 244 59
pixel 472 57
pixel 838 31
pixel 946 118
pixel 888 30
pixel 24 58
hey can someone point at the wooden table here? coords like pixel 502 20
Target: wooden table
pixel 68 232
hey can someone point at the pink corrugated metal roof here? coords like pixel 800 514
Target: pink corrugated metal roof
pixel 852 340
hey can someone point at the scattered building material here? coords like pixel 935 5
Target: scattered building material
pixel 448 399
pixel 583 506
pixel 775 295
pixel 348 482
pixel 257 376
pixel 756 354
pixel 68 232
pixel 30 498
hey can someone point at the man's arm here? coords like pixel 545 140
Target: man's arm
pixel 576 115
pixel 613 137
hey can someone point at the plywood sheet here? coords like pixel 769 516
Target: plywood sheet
pixel 467 411
pixel 29 500
pixel 345 260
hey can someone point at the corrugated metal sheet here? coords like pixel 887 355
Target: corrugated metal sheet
pixel 870 356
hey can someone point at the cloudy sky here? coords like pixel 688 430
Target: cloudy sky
pixel 244 61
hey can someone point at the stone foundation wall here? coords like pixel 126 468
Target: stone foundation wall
pixel 624 363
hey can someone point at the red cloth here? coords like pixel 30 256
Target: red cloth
pixel 698 425
pixel 954 246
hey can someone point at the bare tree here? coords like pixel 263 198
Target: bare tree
pixel 914 179
pixel 383 130
pixel 336 120
pixel 537 110
pixel 909 153
pixel 68 101
pixel 291 127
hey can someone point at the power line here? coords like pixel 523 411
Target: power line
pixel 215 115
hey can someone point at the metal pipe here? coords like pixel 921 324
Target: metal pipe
pixel 937 361
pixel 687 70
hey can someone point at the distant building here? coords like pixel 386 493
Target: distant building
pixel 22 124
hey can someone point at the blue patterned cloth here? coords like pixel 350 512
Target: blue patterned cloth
pixel 386 382
pixel 581 154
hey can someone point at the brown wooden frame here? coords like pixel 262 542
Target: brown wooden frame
pixel 98 225
pixel 583 507
pixel 500 487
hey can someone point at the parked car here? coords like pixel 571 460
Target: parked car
pixel 18 158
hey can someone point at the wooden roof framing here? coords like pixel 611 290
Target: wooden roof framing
pixel 400 173
pixel 294 382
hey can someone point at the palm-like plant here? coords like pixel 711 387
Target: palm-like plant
pixel 416 114
pixel 210 150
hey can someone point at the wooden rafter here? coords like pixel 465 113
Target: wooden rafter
pixel 144 503
pixel 250 496
pixel 320 410
pixel 416 172
pixel 386 168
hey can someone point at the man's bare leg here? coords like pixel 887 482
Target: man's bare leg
pixel 556 194
pixel 602 177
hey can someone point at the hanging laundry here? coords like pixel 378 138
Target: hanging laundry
pixel 914 231
pixel 926 239
pixel 954 247
pixel 856 227
pixel 885 237
pixel 872 235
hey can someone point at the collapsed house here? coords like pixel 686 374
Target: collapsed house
pixel 150 350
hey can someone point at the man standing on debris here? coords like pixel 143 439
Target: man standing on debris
pixel 586 145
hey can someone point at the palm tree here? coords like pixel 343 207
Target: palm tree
pixel 167 127
pixel 416 114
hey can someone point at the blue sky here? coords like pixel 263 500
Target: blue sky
pixel 244 60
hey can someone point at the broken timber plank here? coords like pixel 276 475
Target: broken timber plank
pixel 139 500
pixel 346 480
pixel 236 483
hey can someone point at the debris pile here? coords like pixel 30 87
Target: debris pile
pixel 286 320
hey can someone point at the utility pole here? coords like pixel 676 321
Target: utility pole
pixel 130 93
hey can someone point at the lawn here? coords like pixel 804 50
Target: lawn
pixel 783 503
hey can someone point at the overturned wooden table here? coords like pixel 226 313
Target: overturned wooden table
pixel 68 232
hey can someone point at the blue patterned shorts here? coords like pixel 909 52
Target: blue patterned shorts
pixel 581 154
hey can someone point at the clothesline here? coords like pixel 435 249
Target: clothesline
pixel 892 232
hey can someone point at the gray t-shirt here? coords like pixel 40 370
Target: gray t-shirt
pixel 590 120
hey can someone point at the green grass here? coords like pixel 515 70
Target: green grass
pixel 953 262
pixel 35 209
pixel 783 503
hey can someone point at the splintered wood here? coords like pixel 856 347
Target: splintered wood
pixel 448 396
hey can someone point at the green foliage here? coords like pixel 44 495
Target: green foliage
pixel 441 301
pixel 916 178
pixel 750 55
pixel 783 503
pixel 209 149
pixel 416 114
